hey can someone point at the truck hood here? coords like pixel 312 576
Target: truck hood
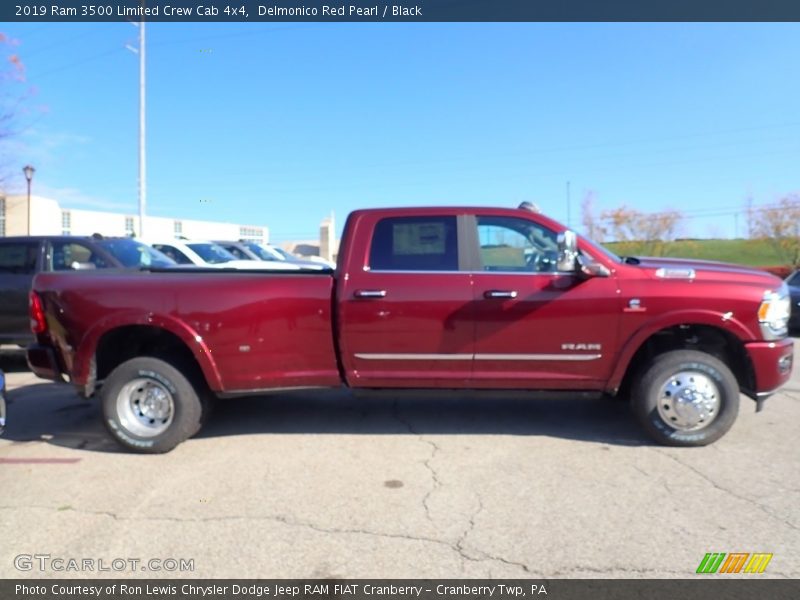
pixel 680 268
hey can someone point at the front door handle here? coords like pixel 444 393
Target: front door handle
pixel 495 294
pixel 370 293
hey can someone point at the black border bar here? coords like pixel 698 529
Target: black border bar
pixel 399 10
pixel 706 587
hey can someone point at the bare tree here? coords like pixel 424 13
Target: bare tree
pixel 591 224
pixel 638 232
pixel 14 95
pixel 780 225
pixel 12 80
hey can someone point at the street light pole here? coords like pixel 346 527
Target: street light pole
pixel 29 171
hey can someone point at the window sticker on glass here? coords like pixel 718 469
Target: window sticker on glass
pixel 418 238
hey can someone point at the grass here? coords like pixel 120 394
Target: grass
pixel 756 253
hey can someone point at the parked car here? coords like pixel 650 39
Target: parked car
pixel 313 259
pixel 793 281
pixel 132 253
pixel 21 257
pixel 210 254
pixel 449 298
pixel 2 402
pixel 249 250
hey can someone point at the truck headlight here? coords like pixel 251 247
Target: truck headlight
pixel 773 313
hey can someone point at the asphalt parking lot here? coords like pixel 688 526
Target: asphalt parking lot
pixel 336 487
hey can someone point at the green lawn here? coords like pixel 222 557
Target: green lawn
pixel 757 253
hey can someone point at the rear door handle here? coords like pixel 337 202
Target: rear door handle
pixel 494 294
pixel 370 293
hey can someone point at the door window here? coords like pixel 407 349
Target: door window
pixel 414 244
pixel 508 244
pixel 66 254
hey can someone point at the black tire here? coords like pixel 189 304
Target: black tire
pixel 651 408
pixel 180 403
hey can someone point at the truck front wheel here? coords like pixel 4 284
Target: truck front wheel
pixel 686 398
pixel 150 406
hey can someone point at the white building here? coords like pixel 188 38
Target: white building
pixel 47 217
pixel 327 246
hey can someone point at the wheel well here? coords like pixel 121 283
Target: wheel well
pixel 121 344
pixel 718 343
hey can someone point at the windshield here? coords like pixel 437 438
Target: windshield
pixel 212 253
pixel 135 254
pixel 261 252
pixel 794 279
pixel 597 248
pixel 286 255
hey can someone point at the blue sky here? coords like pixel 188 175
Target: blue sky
pixel 280 124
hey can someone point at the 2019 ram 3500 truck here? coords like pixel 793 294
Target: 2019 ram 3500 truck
pixel 453 298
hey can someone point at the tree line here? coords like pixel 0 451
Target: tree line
pixel 651 233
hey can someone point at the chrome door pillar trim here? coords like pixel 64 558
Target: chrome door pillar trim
pixel 576 357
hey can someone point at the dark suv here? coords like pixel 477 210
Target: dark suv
pixel 21 257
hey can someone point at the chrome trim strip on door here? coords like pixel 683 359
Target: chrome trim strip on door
pixel 367 269
pixel 414 356
pixel 537 356
pixel 579 357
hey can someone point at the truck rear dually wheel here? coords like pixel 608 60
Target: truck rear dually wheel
pixel 150 406
pixel 686 398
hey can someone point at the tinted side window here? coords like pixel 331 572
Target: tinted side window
pixel 414 244
pixel 509 244
pixel 19 257
pixel 66 253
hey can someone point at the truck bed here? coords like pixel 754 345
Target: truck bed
pixel 267 330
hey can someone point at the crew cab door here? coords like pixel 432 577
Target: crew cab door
pixel 535 327
pixel 405 305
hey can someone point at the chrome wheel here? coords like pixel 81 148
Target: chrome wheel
pixel 145 407
pixel 688 401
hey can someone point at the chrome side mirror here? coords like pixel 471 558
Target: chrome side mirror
pixel 567 261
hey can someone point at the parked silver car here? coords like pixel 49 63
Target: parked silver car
pixel 249 250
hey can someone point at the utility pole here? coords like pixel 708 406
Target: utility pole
pixel 569 218
pixel 142 156
pixel 749 217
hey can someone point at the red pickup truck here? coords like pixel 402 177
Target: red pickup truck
pixel 450 297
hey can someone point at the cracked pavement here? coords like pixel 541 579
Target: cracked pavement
pixel 332 486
